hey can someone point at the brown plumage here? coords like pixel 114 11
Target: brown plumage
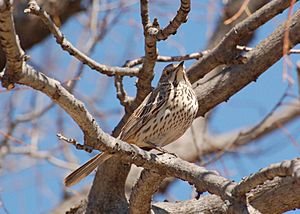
pixel 165 114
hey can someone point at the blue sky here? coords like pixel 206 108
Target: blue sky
pixel 37 189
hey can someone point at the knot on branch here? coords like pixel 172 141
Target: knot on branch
pixel 32 7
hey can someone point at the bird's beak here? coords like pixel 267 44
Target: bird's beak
pixel 180 67
pixel 181 64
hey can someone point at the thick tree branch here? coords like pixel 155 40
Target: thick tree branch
pixel 283 169
pixel 225 51
pixel 10 43
pixel 205 204
pixel 141 194
pixel 266 198
pixel 285 192
pixel 214 90
pixel 145 13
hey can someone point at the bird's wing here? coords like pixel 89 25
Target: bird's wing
pixel 148 108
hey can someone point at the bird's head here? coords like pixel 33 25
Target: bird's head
pixel 175 74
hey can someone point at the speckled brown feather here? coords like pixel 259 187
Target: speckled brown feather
pixel 153 103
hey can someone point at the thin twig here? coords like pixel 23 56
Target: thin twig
pixel 125 100
pixel 138 61
pixel 33 8
pixel 75 143
pixel 238 14
pixel 180 18
pixel 298 75
pixel 28 150
pixel 245 48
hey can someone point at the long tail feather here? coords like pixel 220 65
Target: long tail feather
pixel 86 169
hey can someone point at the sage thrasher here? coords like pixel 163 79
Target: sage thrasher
pixel 165 114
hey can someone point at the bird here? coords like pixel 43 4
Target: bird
pixel 164 116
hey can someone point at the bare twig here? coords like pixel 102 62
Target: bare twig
pixel 75 143
pixel 2 204
pixel 286 47
pixel 145 13
pixel 33 8
pixel 180 18
pixel 125 100
pixel 138 61
pixel 34 114
pixel 8 136
pixel 28 150
pixel 264 127
pixel 94 15
pixel 238 14
pixel 298 75
pixel 245 48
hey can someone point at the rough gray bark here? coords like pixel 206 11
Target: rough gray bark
pixel 107 195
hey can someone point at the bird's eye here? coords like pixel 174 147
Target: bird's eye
pixel 167 72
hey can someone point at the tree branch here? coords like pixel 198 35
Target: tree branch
pixel 180 18
pixel 245 48
pixel 204 180
pixel 216 89
pixel 247 135
pixel 141 194
pixel 298 76
pixel 32 152
pixel 284 169
pixel 138 61
pixel 146 75
pixel 10 43
pixel 125 100
pixel 25 25
pixel 225 51
pixel 33 8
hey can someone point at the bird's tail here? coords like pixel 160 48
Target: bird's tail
pixel 86 169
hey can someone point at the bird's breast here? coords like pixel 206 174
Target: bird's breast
pixel 173 119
